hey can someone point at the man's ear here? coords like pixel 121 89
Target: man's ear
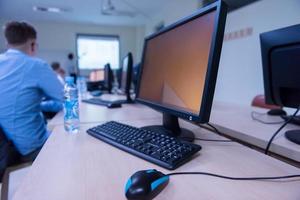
pixel 32 46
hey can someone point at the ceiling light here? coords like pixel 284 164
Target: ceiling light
pixel 49 9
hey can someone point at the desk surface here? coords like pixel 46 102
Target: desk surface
pixel 81 167
pixel 236 121
pixel 90 113
pixel 232 120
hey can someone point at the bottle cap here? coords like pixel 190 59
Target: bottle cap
pixel 69 79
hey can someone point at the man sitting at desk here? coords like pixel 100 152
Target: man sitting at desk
pixel 24 82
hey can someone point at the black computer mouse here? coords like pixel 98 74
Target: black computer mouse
pixel 145 185
pixel 114 105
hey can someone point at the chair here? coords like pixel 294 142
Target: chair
pixel 12 178
pixel 8 153
pixel 259 101
pixel 10 160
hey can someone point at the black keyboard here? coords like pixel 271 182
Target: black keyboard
pixel 101 102
pixel 163 150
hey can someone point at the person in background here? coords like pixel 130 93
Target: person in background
pixel 71 65
pixel 60 72
pixel 24 82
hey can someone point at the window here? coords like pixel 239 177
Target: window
pixel 95 51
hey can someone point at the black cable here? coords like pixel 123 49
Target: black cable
pixel 281 127
pixel 207 140
pixel 218 132
pixel 261 121
pixel 212 140
pixel 215 129
pixel 235 178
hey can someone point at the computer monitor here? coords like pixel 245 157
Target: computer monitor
pixel 96 75
pixel 135 74
pixel 280 51
pixel 108 78
pixel 179 69
pixel 126 76
pixel 96 80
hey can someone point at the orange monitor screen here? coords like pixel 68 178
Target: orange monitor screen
pixel 175 65
pixel 97 75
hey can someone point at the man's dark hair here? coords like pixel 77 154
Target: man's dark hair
pixel 55 66
pixel 70 56
pixel 17 33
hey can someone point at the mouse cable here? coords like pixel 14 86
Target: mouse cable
pixel 235 178
pixel 212 140
pixel 255 118
pixel 215 130
pixel 281 127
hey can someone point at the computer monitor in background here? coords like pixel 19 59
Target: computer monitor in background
pixel 280 50
pixel 108 78
pixel 126 76
pixel 135 74
pixel 96 79
pixel 96 75
pixel 179 69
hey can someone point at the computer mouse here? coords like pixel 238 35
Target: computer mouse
pixel 145 185
pixel 114 105
pixel 276 112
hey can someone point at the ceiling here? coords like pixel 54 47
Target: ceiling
pixel 89 11
pixel 232 4
pixel 81 11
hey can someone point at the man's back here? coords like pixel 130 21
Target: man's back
pixel 24 81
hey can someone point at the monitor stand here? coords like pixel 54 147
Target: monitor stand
pixel 171 128
pixel 276 112
pixel 128 100
pixel 295 120
pixel 293 136
pixel 283 115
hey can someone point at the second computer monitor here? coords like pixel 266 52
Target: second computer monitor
pixel 108 77
pixel 280 50
pixel 126 75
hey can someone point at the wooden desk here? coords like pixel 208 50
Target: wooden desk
pixel 81 167
pixel 235 121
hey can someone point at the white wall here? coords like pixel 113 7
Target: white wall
pixel 240 72
pixel 140 36
pixel 57 39
pixel 175 10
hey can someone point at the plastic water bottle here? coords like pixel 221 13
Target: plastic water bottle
pixel 81 86
pixel 71 110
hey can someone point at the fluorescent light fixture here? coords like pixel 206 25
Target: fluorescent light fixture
pixel 49 9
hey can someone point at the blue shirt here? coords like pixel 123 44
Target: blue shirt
pixel 24 82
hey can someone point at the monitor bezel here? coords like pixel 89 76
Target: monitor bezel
pixel 212 69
